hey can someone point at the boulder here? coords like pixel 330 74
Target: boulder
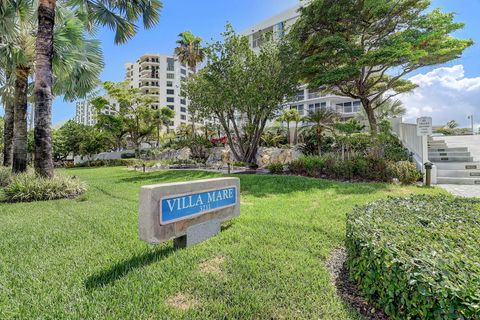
pixel 172 154
pixel 267 156
pixel 219 157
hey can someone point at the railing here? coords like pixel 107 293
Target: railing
pixel 417 145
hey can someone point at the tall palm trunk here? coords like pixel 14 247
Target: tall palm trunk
pixel 43 88
pixel 20 120
pixel 8 133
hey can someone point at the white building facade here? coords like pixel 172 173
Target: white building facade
pixel 160 76
pixel 86 113
pixel 306 100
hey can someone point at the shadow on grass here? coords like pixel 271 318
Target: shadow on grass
pixel 259 185
pixel 121 269
pixel 169 176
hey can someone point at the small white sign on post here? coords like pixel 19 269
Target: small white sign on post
pixel 424 126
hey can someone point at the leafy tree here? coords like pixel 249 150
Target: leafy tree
pixel 93 142
pixel 68 139
pixel 135 115
pixel 162 117
pixel 452 124
pixel 320 121
pixel 113 128
pixel 364 48
pixel 241 89
pixel 120 16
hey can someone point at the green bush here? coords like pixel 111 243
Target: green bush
pixel 275 168
pixel 5 176
pixel 368 168
pixel 27 187
pixel 311 166
pixel 417 257
pixel 406 172
pixel 111 163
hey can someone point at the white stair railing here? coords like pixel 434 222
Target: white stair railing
pixel 417 145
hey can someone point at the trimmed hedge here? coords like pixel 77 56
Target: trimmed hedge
pixel 365 168
pixel 111 163
pixel 418 257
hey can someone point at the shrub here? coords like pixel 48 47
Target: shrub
pixel 417 257
pixel 311 166
pixel 27 187
pixel 406 172
pixel 275 168
pixel 5 176
pixel 111 163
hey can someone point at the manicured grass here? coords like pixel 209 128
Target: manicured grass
pixel 82 259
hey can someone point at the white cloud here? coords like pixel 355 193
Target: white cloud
pixel 444 94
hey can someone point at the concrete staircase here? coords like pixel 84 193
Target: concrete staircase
pixel 455 163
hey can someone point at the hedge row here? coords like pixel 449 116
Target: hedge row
pixel 418 257
pixel 369 168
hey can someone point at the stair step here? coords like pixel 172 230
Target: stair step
pixel 458 174
pixel 458 165
pixel 464 181
pixel 451 159
pixel 448 150
pixel 448 154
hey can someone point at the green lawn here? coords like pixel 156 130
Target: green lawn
pixel 82 258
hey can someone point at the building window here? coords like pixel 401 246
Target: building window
pixel 184 72
pixel 262 36
pixel 300 95
pixel 347 107
pixel 299 109
pixel 183 117
pixel 170 64
pixel 170 99
pixel 171 107
pixel 356 106
pixel 170 91
pixel 183 101
pixel 183 109
pixel 169 83
pixel 170 76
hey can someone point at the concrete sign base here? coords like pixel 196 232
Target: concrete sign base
pixel 189 212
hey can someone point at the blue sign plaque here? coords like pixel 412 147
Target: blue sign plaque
pixel 188 206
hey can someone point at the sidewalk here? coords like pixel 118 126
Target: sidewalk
pixel 467 191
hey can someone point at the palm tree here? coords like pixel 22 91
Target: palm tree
pixel 321 121
pixel 388 109
pixel 77 64
pixel 120 16
pixel 189 50
pixel 163 117
pixel 6 99
pixel 288 116
pixel 190 53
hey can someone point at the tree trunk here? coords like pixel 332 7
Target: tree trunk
pixel 43 89
pixel 288 133
pixel 295 137
pixel 20 120
pixel 158 135
pixel 8 133
pixel 372 120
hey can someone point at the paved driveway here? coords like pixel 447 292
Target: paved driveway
pixel 461 190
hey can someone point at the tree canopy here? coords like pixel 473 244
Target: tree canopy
pixel 363 48
pixel 241 89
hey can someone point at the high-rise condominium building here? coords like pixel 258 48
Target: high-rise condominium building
pixel 160 76
pixel 306 100
pixel 86 113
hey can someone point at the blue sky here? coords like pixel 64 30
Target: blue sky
pixel 207 19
